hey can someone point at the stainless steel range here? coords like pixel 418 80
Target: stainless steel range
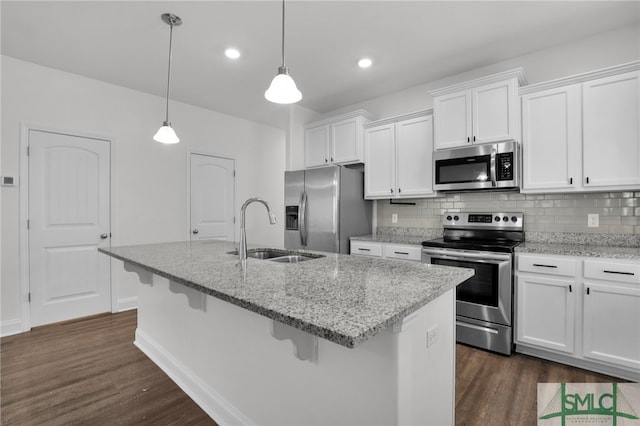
pixel 484 242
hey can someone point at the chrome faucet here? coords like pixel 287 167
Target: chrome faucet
pixel 242 250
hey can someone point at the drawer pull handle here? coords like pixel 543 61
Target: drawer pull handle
pixel 363 249
pixel 619 272
pixel 544 266
pixel 588 289
pixel 570 289
pixel 401 252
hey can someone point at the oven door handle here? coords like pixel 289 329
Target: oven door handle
pixel 472 256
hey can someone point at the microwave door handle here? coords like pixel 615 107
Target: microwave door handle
pixel 493 167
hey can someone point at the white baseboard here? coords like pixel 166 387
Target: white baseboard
pixel 127 304
pixel 609 370
pixel 202 394
pixel 11 327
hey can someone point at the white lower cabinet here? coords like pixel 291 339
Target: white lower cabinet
pixel 387 250
pixel 580 311
pixel 611 331
pixel 546 312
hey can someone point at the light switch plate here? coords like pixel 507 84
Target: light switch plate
pixel 593 220
pixel 394 218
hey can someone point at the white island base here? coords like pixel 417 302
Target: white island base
pixel 227 360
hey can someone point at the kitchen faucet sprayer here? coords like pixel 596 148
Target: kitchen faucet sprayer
pixel 242 250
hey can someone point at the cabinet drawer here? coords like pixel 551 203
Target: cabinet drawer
pixel 366 248
pixel 396 251
pixel 612 271
pixel 547 265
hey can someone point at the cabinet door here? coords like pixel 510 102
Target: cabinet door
pixel 545 312
pixel 551 139
pixel 346 142
pixel 414 149
pixel 611 330
pixel 494 111
pixel 452 115
pixel 611 132
pixel 316 146
pixel 379 169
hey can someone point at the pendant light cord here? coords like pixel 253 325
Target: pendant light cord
pixel 169 72
pixel 283 34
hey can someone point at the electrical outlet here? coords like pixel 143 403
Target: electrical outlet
pixel 394 218
pixel 593 220
pixel 432 335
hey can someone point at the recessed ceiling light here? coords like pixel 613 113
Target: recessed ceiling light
pixel 364 63
pixel 232 53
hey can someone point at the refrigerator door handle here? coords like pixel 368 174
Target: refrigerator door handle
pixel 303 220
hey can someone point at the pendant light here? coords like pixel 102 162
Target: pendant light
pixel 283 89
pixel 166 134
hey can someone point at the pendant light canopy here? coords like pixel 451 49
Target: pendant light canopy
pixel 166 134
pixel 283 89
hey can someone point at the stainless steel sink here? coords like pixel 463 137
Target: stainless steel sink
pixel 291 259
pixel 278 255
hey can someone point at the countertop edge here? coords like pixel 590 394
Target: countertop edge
pixel 323 332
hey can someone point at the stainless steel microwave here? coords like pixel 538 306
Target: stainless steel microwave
pixel 493 166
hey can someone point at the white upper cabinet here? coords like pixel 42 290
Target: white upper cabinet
pixel 338 140
pixel 316 146
pixel 611 124
pixel 453 123
pixel 398 154
pixel 551 139
pixel 479 111
pixel 379 165
pixel 583 136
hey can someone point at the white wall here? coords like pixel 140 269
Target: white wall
pixel 150 192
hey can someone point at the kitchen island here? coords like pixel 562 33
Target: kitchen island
pixel 332 340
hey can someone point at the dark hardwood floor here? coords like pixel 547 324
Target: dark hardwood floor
pixel 89 372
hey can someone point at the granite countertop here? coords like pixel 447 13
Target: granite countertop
pixel 584 250
pixel 388 238
pixel 344 299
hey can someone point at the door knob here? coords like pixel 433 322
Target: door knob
pixel 195 231
pixel 104 236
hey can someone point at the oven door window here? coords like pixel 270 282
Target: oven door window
pixel 482 288
pixel 464 170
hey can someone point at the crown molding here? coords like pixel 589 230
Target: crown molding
pixel 581 78
pixel 396 118
pixel 347 115
pixel 517 73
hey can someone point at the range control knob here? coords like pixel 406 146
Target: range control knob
pixel 497 218
pixel 506 218
pixel 514 219
pixel 448 217
pixel 456 218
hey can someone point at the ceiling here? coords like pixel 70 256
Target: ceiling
pixel 410 43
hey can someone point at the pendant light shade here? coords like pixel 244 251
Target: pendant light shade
pixel 283 89
pixel 166 134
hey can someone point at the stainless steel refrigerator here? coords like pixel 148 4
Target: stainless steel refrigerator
pixel 324 207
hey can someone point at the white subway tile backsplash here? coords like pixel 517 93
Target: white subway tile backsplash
pixel 559 213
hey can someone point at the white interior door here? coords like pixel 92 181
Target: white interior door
pixel 212 197
pixel 69 218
